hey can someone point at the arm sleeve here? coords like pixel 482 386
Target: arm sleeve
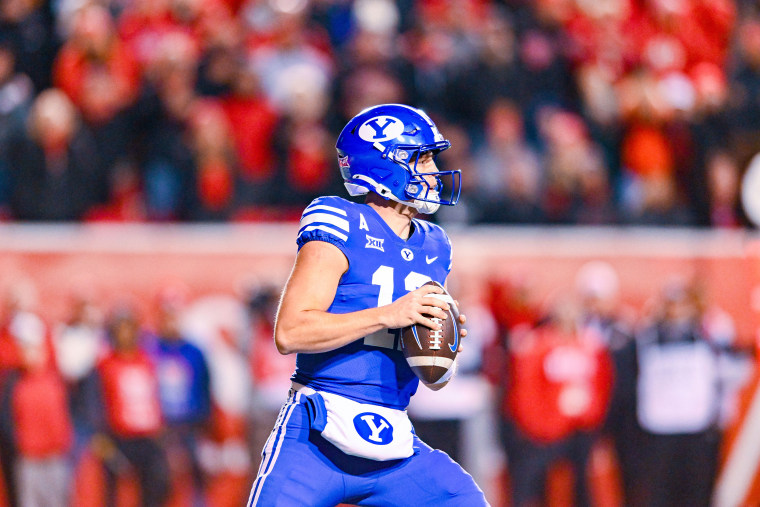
pixel 325 219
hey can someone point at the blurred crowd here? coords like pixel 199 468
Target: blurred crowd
pixel 179 401
pixel 164 402
pixel 658 385
pixel 560 111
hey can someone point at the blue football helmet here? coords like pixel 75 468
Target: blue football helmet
pixel 378 150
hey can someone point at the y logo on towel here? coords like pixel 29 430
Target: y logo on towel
pixel 373 428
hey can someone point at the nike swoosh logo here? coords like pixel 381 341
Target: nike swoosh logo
pixel 429 259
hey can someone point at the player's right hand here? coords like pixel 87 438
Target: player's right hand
pixel 416 308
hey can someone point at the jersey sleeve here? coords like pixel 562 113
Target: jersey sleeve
pixel 325 219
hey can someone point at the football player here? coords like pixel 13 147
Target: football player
pixel 343 436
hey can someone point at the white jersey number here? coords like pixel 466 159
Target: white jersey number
pixel 383 276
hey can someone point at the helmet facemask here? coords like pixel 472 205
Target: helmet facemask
pixel 423 194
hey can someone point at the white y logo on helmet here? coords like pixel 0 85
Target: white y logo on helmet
pixel 381 128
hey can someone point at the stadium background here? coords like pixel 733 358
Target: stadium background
pixel 177 141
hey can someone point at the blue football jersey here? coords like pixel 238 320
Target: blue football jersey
pixel 382 267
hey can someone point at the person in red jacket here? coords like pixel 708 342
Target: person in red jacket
pixel 560 380
pixel 128 436
pixel 35 419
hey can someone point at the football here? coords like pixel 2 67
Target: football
pixel 430 353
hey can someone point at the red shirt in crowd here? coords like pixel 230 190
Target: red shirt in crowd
pixel 130 394
pixel 559 384
pixel 253 123
pixel 41 414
